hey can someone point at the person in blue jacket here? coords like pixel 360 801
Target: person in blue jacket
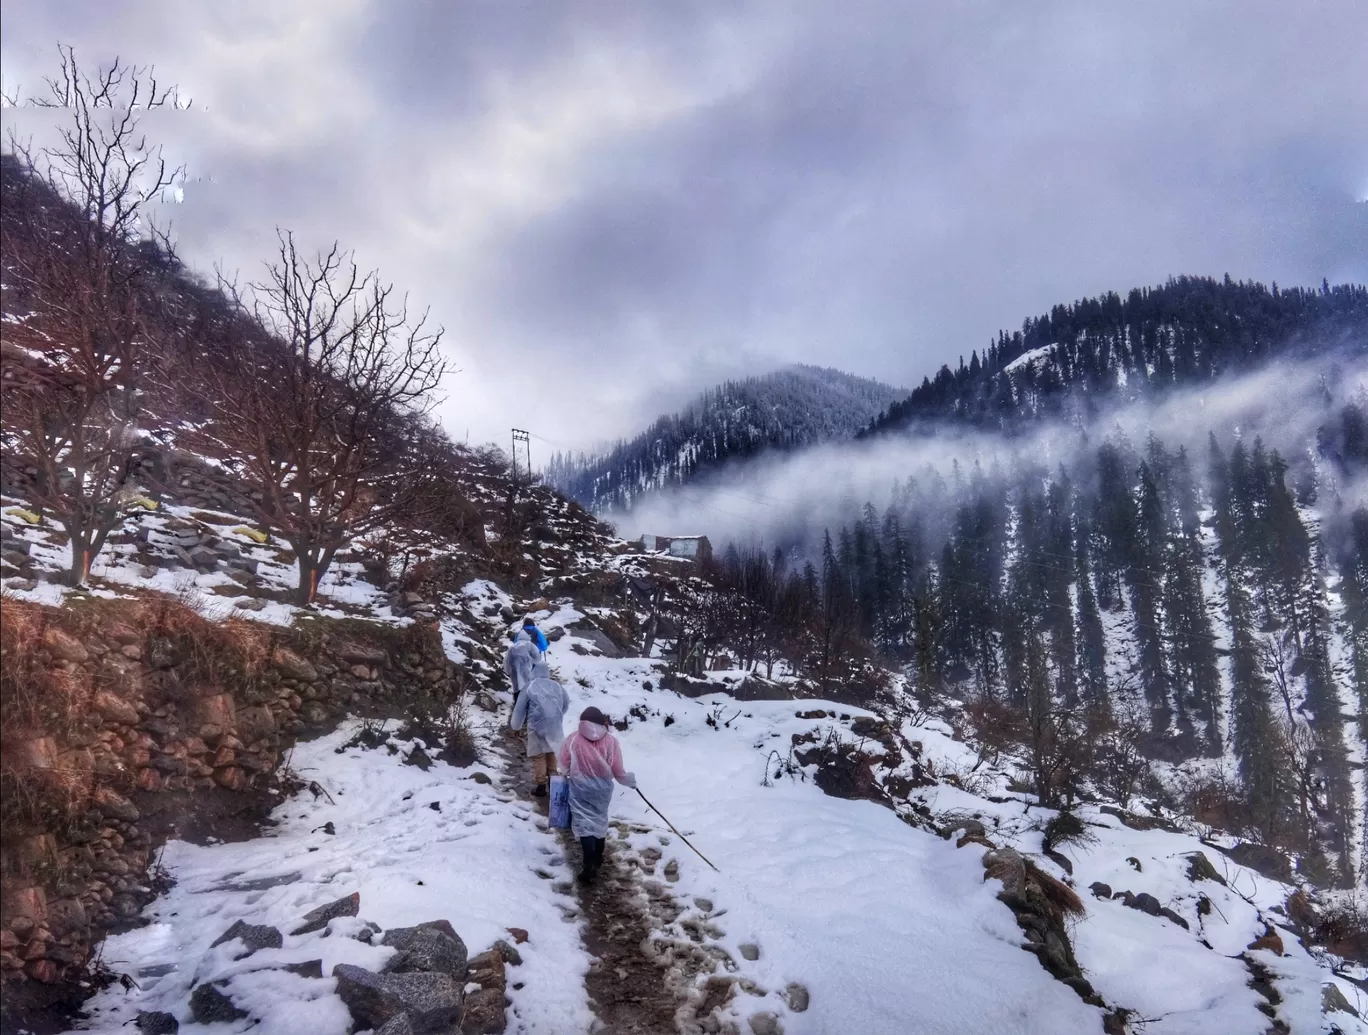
pixel 530 630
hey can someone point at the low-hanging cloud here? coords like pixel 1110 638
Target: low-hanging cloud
pixel 787 498
pixel 611 204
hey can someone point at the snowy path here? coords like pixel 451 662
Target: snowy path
pixel 475 860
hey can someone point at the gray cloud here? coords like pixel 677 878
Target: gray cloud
pixel 609 205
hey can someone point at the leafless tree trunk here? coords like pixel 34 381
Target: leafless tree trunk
pixel 76 297
pixel 323 415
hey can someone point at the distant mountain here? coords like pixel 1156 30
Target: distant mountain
pixel 1072 359
pixel 794 407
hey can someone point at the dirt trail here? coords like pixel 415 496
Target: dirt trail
pixel 629 986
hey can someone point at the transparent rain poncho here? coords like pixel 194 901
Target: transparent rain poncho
pixel 591 760
pixel 520 661
pixel 542 707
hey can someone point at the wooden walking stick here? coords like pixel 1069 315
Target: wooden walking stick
pixel 672 827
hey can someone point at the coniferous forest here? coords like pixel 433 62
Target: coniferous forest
pixel 1132 600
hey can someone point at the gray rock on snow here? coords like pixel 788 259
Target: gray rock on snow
pixel 209 1006
pixel 797 998
pixel 157 1023
pixel 318 919
pixel 254 936
pixel 249 604
pixel 1333 1000
pixel 428 948
pixel 431 1001
pixel 750 951
pixel 765 1024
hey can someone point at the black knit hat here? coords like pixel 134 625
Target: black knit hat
pixel 595 716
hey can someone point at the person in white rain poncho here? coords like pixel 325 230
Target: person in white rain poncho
pixel 541 708
pixel 522 657
pixel 592 760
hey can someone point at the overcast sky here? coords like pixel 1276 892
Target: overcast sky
pixel 609 205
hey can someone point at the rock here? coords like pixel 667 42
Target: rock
pixel 254 936
pixel 1169 914
pixel 1333 1000
pixel 20 585
pixel 203 557
pixel 114 708
pixel 765 1024
pixel 968 826
pixel 1200 868
pixel 797 998
pixel 1146 903
pixel 254 723
pixel 429 948
pixel 418 757
pixel 218 710
pixel 431 1001
pixel 1301 911
pixel 318 919
pixel 705 904
pixel 231 778
pixel 63 646
pixel 114 805
pixel 1100 890
pixel 482 778
pixel 396 1025
pixel 484 1013
pixel 488 970
pixel 1006 865
pixel 307 969
pixel 293 666
pixel 67 916
pixel 1062 861
pixel 1262 859
pixel 44 971
pixel 510 955
pixel 209 1006
pixel 519 935
pixel 249 604
pixel 1270 942
pixel 750 951
pixel 157 1023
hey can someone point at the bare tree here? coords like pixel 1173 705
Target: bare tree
pixel 323 413
pixel 76 300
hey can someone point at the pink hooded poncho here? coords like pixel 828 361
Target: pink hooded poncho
pixel 591 760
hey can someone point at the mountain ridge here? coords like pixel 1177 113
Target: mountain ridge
pixel 795 406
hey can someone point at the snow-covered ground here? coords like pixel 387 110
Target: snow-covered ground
pixel 889 928
pixel 480 859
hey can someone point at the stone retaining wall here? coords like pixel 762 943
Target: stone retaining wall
pixel 112 704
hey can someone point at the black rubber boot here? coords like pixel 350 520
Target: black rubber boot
pixel 589 849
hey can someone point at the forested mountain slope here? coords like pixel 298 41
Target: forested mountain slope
pixel 790 408
pixel 1076 358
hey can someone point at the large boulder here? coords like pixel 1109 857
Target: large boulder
pixel 432 947
pixel 317 919
pixel 431 1001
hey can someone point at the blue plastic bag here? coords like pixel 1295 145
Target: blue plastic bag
pixel 560 802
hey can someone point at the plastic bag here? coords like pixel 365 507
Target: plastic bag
pixel 560 802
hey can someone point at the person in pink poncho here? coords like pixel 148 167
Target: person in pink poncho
pixel 591 760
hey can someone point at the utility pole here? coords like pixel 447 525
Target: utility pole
pixel 519 437
pixel 522 438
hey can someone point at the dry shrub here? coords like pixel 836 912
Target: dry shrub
pixel 1342 928
pixel 1060 896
